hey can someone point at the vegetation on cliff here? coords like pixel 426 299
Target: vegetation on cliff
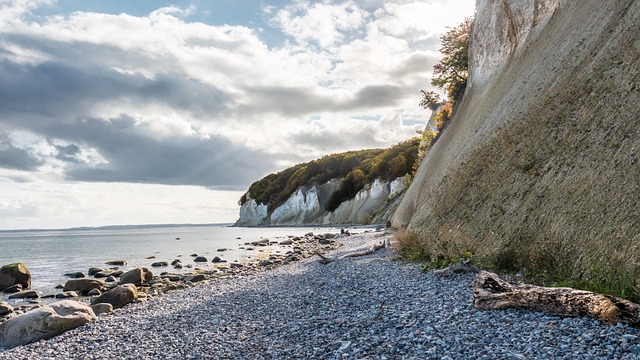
pixel 356 169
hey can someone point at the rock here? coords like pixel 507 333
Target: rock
pixel 160 264
pixel 94 270
pixel 13 274
pixel 194 255
pixel 110 279
pixel 118 296
pixel 171 277
pixel 137 276
pixel 265 263
pixel 26 294
pixel 116 263
pixel 102 308
pixel 262 242
pixel 5 309
pixel 200 259
pixel 222 250
pixel 235 265
pixel 194 278
pixel 117 273
pixel 83 285
pixel 176 262
pixel 13 289
pixel 94 292
pixel 44 323
pixel 325 242
pixel 103 274
pixel 151 257
pixel 67 295
pixel 178 265
pixel 218 260
pixel 75 275
pixel 286 242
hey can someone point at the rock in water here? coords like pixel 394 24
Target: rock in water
pixel 13 274
pixel 44 323
pixel 136 276
pixel 118 296
pixel 83 285
pixel 5 309
pixel 26 294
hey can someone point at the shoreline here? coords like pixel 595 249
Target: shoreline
pixel 366 307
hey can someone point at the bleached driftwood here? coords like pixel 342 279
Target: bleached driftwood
pixel 375 248
pixel 492 293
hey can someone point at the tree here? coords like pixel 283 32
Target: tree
pixel 450 74
pixel 430 100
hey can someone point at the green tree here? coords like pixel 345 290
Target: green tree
pixel 450 74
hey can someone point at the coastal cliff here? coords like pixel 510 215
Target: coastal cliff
pixel 308 206
pixel 539 169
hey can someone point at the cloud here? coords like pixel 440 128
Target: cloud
pixel 159 99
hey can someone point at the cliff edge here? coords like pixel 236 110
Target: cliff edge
pixel 540 167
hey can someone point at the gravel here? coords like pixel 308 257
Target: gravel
pixel 372 306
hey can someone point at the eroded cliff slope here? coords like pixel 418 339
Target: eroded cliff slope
pixel 540 167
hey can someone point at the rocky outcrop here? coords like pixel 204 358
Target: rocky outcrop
pixel 308 206
pixel 541 163
pixel 118 296
pixel 44 323
pixel 15 274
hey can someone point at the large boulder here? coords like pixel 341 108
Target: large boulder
pixel 13 274
pixel 83 285
pixel 118 296
pixel 44 323
pixel 137 276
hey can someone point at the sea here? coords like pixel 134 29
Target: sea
pixel 50 254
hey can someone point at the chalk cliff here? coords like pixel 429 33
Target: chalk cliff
pixel 541 162
pixel 307 205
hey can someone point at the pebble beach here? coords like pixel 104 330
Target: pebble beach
pixel 367 307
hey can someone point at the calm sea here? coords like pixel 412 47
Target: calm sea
pixel 50 254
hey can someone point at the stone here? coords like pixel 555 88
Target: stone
pixel 94 292
pixel 116 263
pixel 110 279
pixel 175 262
pixel 118 296
pixel 95 270
pixel 265 263
pixel 286 242
pixel 13 274
pixel 194 278
pixel 26 294
pixel 200 259
pixel 13 289
pixel 178 265
pixel 137 276
pixel 151 257
pixel 222 250
pixel 235 265
pixel 160 264
pixel 83 285
pixel 67 295
pixel 44 323
pixel 5 308
pixel 218 260
pixel 172 277
pixel 262 242
pixel 75 275
pixel 103 274
pixel 102 308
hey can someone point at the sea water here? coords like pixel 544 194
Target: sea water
pixel 50 254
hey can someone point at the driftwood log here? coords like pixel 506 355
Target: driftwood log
pixel 492 293
pixel 323 259
pixel 375 248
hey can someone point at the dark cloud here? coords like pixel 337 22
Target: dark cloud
pixel 12 157
pixel 138 157
pixel 67 153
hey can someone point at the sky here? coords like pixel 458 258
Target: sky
pixel 122 112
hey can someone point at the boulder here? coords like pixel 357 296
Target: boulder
pixel 118 296
pixel 102 308
pixel 137 276
pixel 116 263
pixel 176 262
pixel 5 309
pixel 26 294
pixel 67 294
pixel 13 289
pixel 200 259
pixel 83 285
pixel 160 264
pixel 75 275
pixel 263 242
pixel 194 278
pixel 110 279
pixel 44 323
pixel 94 270
pixel 13 274
pixel 218 260
pixel 94 292
pixel 103 274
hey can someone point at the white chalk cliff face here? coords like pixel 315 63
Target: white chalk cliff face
pixel 307 206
